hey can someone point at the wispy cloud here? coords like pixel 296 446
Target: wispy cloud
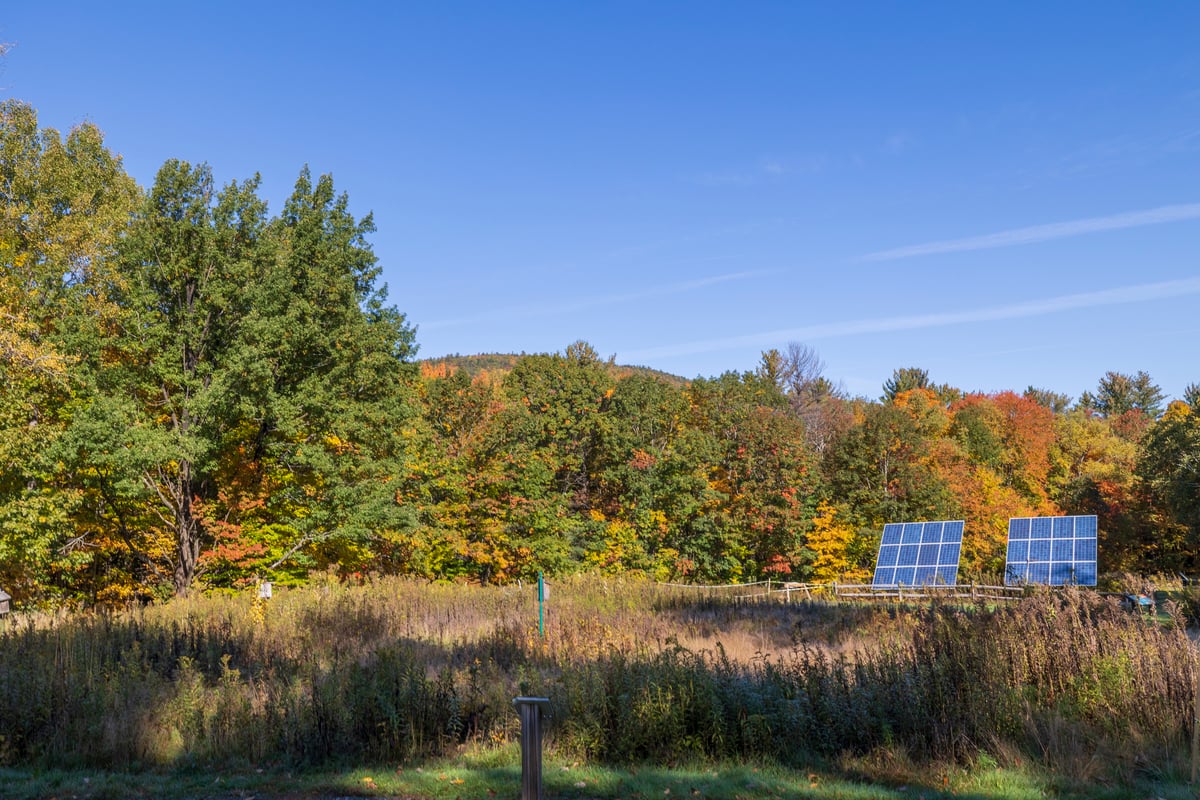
pixel 1032 308
pixel 898 142
pixel 767 170
pixel 572 306
pixel 1043 233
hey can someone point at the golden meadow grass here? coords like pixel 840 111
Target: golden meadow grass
pixel 398 671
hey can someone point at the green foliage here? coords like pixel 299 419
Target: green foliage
pixel 1170 471
pixel 903 380
pixel 197 392
pixel 1118 394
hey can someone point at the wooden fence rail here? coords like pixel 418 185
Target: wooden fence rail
pixel 786 590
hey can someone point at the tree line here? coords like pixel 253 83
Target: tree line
pixel 200 393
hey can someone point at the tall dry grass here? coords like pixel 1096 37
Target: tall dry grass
pixel 400 670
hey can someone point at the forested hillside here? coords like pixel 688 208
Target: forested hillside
pixel 199 393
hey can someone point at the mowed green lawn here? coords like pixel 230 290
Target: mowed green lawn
pixel 496 774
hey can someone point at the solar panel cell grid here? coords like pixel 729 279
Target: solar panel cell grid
pixel 918 553
pixel 1054 550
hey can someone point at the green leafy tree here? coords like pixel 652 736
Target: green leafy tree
pixel 883 468
pixel 1118 394
pixel 1055 401
pixel 1169 468
pixel 260 338
pixel 66 202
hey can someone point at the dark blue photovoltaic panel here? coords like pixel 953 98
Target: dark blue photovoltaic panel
pixel 919 554
pixel 1053 550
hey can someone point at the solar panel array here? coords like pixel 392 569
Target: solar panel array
pixel 1051 550
pixel 919 554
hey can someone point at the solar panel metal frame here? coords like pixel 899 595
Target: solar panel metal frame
pixel 1054 551
pixel 919 554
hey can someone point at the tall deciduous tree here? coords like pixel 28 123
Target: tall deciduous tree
pixel 253 342
pixel 1169 468
pixel 63 205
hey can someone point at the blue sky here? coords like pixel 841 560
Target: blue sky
pixel 1003 194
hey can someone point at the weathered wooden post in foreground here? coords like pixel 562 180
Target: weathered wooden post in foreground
pixel 531 709
pixel 5 600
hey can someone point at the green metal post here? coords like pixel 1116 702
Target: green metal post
pixel 541 606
